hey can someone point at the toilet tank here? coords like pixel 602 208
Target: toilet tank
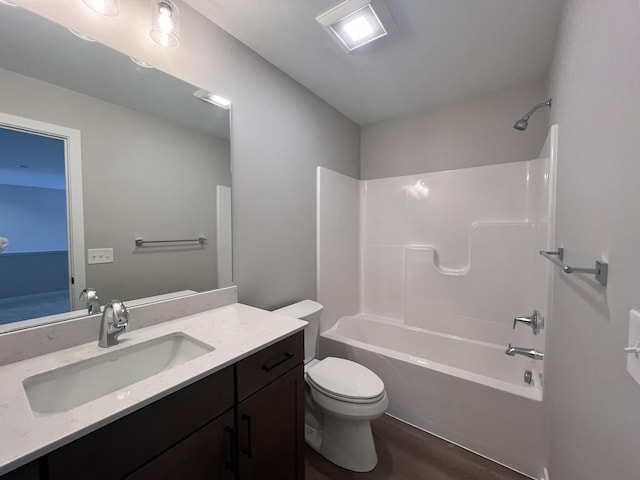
pixel 310 311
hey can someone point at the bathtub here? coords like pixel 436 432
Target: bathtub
pixel 465 391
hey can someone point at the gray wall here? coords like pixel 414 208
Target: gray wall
pixel 142 175
pixel 593 402
pixel 280 132
pixel 469 133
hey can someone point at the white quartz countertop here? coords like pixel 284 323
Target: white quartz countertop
pixel 236 331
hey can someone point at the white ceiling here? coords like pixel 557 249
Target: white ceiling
pixel 440 50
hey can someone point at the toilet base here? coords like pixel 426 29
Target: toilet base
pixel 348 444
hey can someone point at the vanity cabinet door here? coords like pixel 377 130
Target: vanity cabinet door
pixel 30 471
pixel 205 455
pixel 271 430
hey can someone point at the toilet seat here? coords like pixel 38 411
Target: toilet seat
pixel 345 380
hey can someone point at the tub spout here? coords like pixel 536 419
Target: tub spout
pixel 527 352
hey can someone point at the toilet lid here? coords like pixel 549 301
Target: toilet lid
pixel 345 378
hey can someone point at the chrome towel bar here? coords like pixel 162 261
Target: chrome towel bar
pixel 141 242
pixel 601 270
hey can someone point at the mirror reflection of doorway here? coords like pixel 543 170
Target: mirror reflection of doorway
pixel 34 264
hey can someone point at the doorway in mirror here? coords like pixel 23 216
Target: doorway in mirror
pixel 35 263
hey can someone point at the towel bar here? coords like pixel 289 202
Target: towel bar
pixel 201 240
pixel 601 270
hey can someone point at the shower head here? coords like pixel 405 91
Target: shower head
pixel 523 123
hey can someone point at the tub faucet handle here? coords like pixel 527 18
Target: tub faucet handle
pixel 535 321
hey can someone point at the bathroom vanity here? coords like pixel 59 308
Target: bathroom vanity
pixel 236 417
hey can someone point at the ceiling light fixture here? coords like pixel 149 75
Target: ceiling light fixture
pixel 81 35
pixel 103 7
pixel 165 23
pixel 353 23
pixel 213 98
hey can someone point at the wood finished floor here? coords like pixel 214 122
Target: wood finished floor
pixel 406 453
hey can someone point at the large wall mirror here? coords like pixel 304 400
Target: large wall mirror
pixel 100 152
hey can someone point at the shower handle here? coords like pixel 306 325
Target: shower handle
pixel 535 321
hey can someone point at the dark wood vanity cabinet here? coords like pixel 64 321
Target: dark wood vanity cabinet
pixel 242 423
pixel 269 421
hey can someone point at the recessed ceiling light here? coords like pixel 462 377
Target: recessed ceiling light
pixel 353 23
pixel 213 98
pixel 81 35
pixel 141 63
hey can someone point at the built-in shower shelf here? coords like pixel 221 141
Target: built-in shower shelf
pixel 601 270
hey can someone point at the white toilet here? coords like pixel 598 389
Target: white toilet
pixel 341 398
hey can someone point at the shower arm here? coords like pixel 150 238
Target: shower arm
pixel 532 111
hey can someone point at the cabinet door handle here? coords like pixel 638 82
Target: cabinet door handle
pixel 247 449
pixel 230 464
pixel 268 368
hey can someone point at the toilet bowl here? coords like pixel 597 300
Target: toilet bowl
pixel 341 398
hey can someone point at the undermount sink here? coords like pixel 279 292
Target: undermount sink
pixel 67 387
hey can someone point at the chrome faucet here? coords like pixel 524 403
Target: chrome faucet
pixel 527 352
pixel 535 321
pixel 115 318
pixel 93 302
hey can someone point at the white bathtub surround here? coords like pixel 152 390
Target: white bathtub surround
pixel 492 287
pixel 426 241
pixel 460 243
pixel 235 331
pixel 448 259
pixel 338 248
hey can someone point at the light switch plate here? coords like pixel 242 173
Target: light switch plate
pixel 100 255
pixel 633 362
